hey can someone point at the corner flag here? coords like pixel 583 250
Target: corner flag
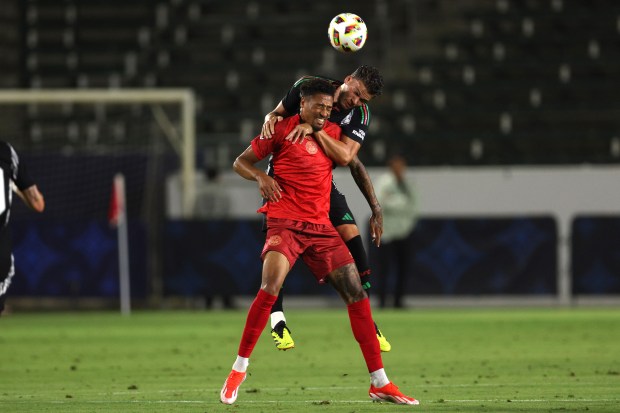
pixel 118 218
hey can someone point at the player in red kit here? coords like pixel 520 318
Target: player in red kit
pixel 352 113
pixel 298 225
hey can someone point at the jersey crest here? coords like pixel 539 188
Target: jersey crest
pixel 311 147
pixel 347 119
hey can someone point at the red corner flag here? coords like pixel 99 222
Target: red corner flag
pixel 116 211
pixel 118 219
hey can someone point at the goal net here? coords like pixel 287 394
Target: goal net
pixel 78 139
pixel 74 142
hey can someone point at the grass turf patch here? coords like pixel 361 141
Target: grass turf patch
pixel 465 360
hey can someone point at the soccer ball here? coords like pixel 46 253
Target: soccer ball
pixel 347 32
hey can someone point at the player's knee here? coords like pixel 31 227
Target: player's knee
pixel 347 282
pixel 347 231
pixel 271 287
pixel 354 297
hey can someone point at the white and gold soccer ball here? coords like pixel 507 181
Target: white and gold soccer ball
pixel 347 32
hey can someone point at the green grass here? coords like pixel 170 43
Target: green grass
pixel 453 360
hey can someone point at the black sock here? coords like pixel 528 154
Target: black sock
pixel 278 305
pixel 356 247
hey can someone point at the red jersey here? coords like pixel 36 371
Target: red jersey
pixel 303 171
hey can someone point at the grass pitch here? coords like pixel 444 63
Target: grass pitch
pixel 452 360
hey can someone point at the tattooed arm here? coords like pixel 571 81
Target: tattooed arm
pixel 362 179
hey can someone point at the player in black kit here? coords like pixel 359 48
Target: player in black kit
pixel 351 112
pixel 14 178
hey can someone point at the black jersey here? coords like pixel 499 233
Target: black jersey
pixel 12 170
pixel 354 123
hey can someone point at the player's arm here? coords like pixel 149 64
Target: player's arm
pixel 244 165
pixel 32 197
pixel 340 151
pixel 362 179
pixel 271 119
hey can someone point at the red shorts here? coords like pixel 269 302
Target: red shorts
pixel 320 246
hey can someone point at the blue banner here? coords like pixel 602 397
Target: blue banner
pixel 480 256
pixel 596 255
pixel 74 259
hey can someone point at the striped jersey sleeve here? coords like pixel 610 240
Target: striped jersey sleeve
pixel 355 124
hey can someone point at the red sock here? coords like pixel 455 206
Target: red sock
pixel 364 332
pixel 258 315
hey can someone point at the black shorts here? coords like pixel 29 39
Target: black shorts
pixel 339 212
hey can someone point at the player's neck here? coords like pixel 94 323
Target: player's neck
pixel 336 106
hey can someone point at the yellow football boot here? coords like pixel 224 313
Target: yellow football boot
pixel 383 343
pixel 282 337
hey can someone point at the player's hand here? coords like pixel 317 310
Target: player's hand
pixel 299 133
pixel 269 188
pixel 270 126
pixel 376 227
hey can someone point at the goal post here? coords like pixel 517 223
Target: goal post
pixel 75 141
pixel 184 142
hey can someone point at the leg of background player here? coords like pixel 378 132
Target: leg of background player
pixel 7 270
pixel 402 256
pixel 279 330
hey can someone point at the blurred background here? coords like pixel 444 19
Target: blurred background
pixel 506 111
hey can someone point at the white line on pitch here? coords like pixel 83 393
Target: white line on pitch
pixel 322 401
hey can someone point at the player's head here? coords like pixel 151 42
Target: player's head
pixel 317 100
pixel 398 165
pixel 360 87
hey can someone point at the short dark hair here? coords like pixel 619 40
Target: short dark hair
pixel 371 78
pixel 315 86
